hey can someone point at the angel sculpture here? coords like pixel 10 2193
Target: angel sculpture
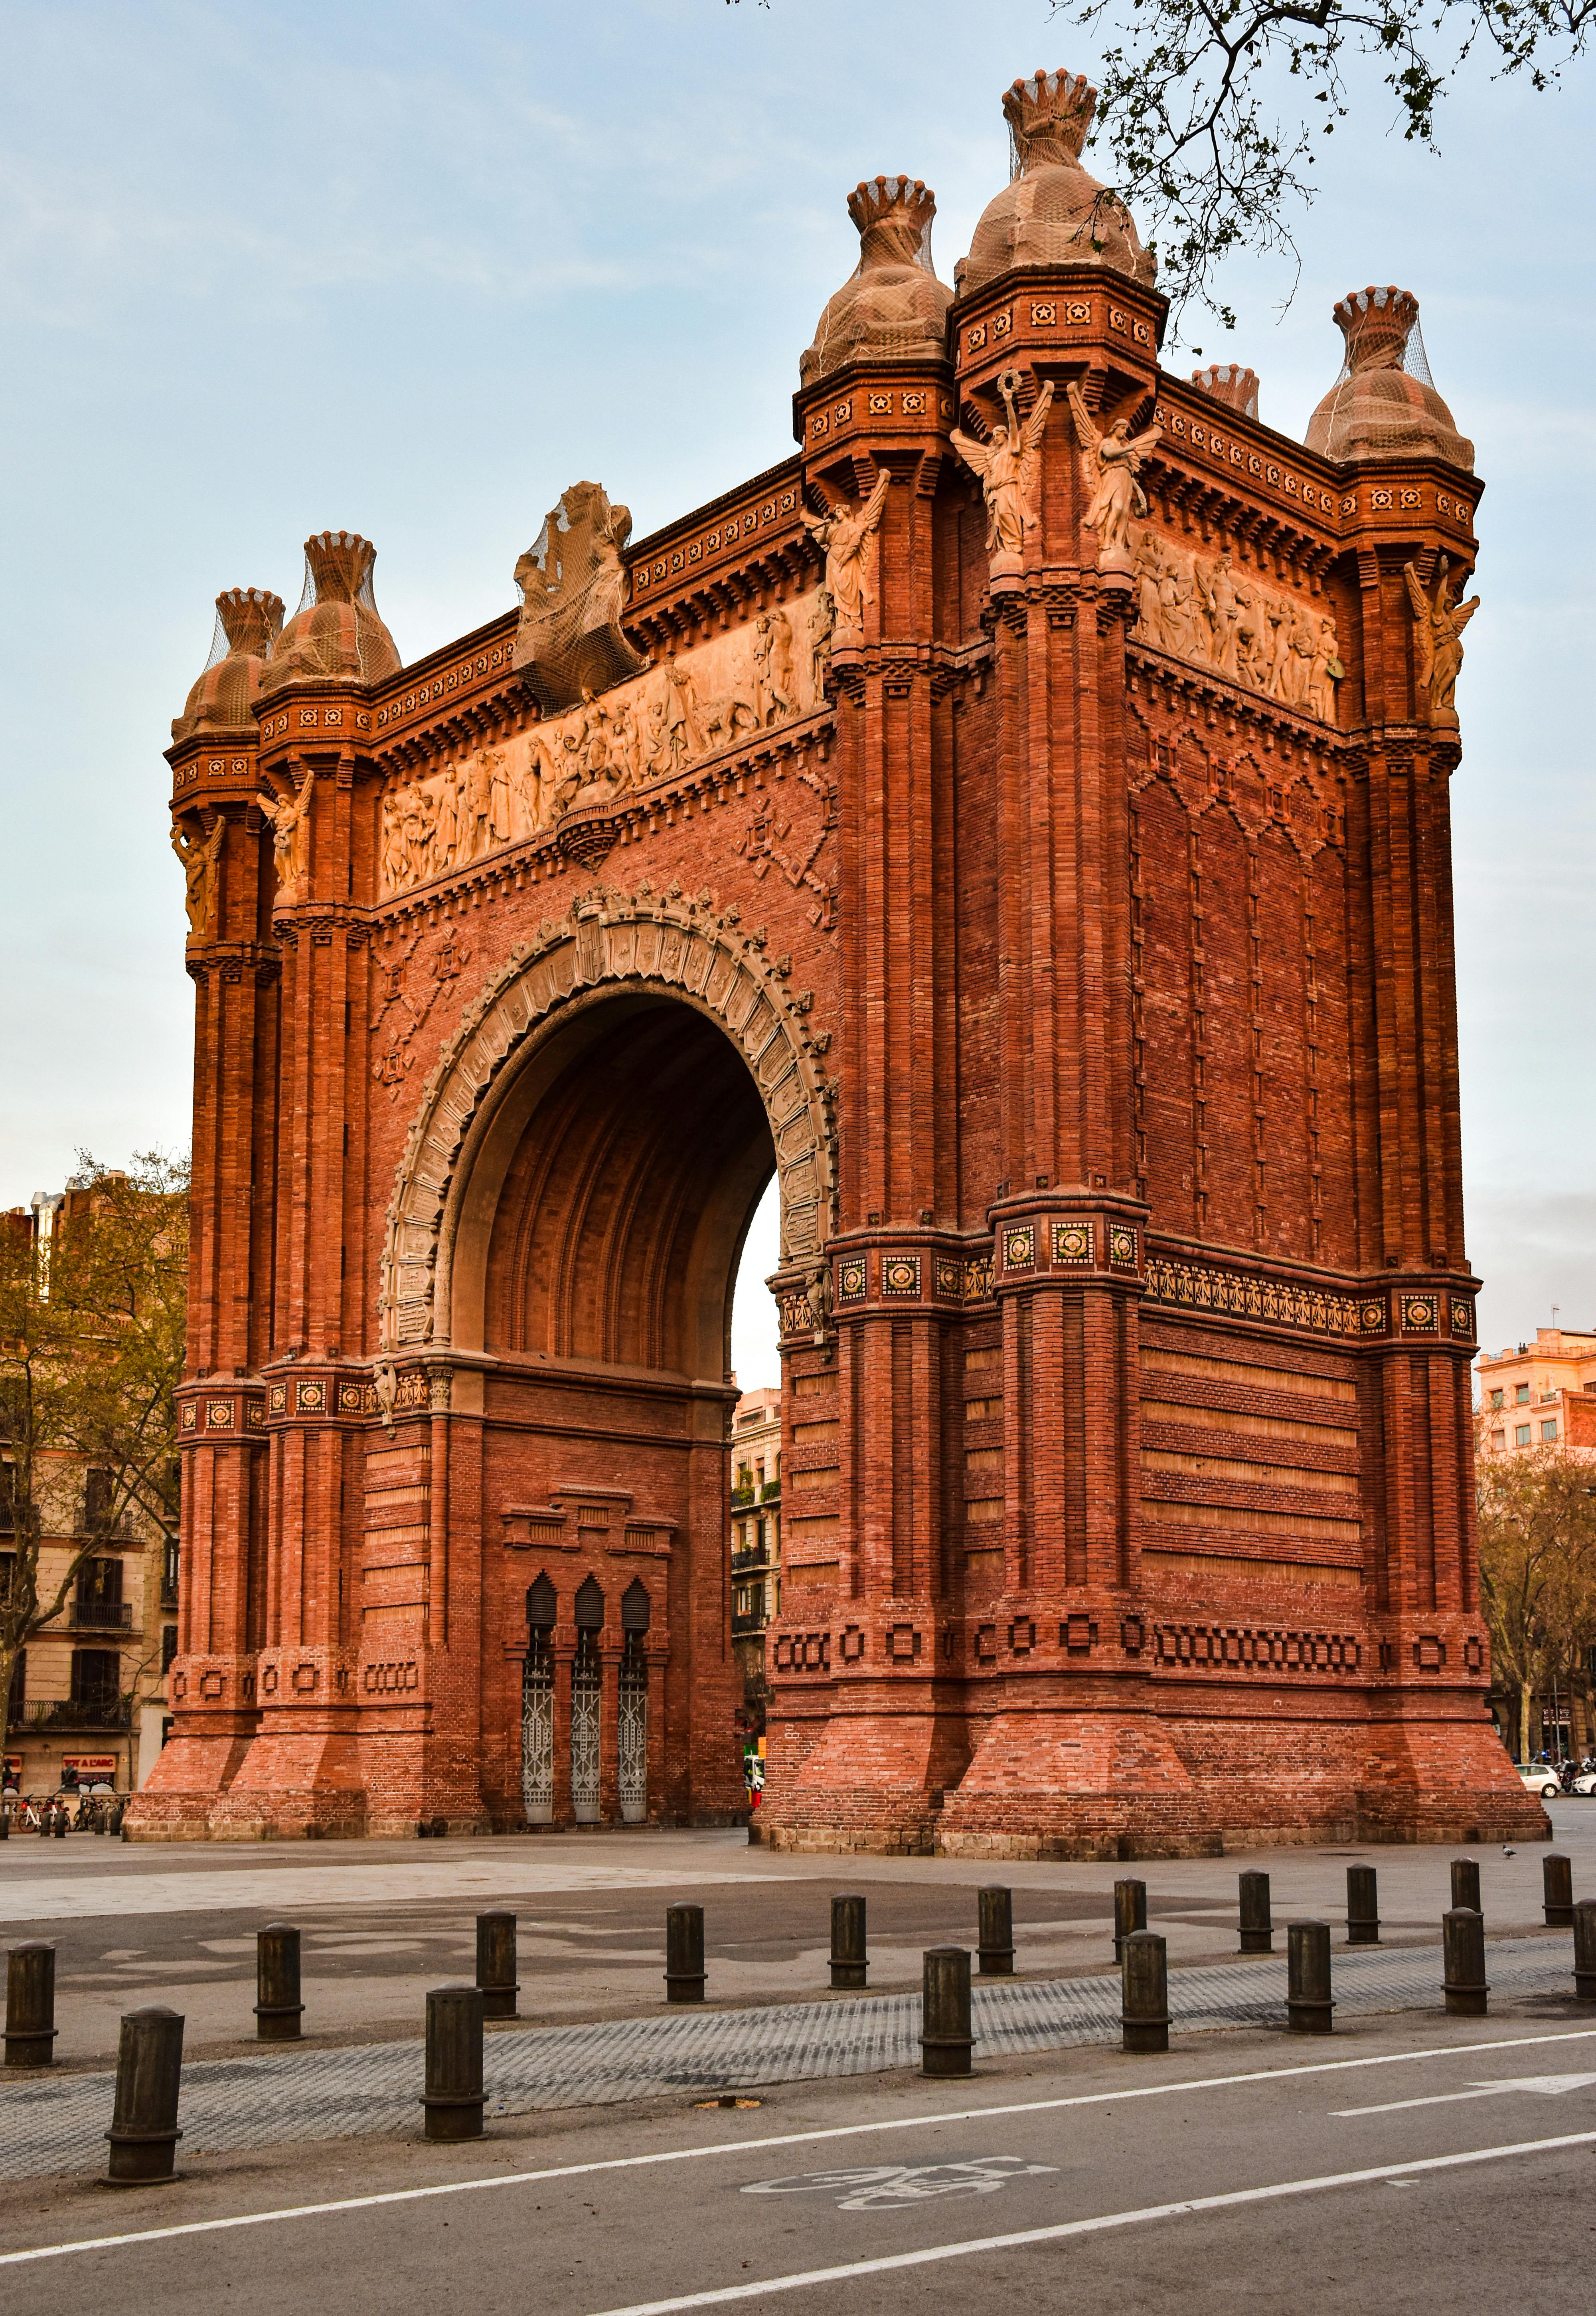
pixel 1008 467
pixel 199 858
pixel 290 841
pixel 1111 462
pixel 1438 632
pixel 842 533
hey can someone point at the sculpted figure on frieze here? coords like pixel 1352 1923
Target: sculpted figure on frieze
pixel 1111 461
pixel 199 857
pixel 1008 466
pixel 609 744
pixel 843 534
pixel 573 590
pixel 290 841
pixel 1208 611
pixel 1438 629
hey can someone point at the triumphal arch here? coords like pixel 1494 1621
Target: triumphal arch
pixel 1018 822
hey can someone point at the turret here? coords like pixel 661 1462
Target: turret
pixel 249 620
pixel 336 636
pixel 1053 211
pixel 1383 405
pixel 893 308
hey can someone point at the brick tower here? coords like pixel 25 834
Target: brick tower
pixel 1019 821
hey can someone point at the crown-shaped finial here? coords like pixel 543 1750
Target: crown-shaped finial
pixel 1050 117
pixel 1377 325
pixel 341 563
pixel 894 215
pixel 1230 383
pixel 252 620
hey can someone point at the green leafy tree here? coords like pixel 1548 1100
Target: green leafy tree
pixel 1538 1569
pixel 92 1315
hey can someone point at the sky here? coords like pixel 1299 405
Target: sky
pixel 412 269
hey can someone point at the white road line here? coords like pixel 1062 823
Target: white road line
pixel 1546 2086
pixel 1101 2225
pixel 776 2139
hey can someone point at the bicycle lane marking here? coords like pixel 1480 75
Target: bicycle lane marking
pixel 1102 2224
pixel 780 2139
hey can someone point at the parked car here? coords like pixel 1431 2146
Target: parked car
pixel 1585 1782
pixel 1539 1780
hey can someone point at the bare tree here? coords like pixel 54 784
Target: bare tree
pixel 92 1320
pixel 1213 109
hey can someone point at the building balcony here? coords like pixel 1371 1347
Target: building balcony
pixel 741 1498
pixel 746 1627
pixel 752 1559
pixel 49 1714
pixel 101 1615
pixel 770 1493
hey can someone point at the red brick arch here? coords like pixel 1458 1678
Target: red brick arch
pixel 685 951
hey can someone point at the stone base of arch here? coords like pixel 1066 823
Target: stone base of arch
pixel 1107 1785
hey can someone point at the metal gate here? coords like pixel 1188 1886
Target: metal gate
pixel 537 1732
pixel 632 1733
pixel 585 1692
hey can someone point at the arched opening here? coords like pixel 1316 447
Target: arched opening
pixel 600 1210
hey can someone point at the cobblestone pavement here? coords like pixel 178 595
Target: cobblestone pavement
pixel 58 2123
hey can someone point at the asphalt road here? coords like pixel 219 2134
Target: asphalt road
pixel 383 1921
pixel 1409 2164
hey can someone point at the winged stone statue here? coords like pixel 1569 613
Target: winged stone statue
pixel 1438 632
pixel 1008 466
pixel 842 534
pixel 199 857
pixel 1111 462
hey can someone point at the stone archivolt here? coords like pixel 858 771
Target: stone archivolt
pixel 692 706
pixel 1214 612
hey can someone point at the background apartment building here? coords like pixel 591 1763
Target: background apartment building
pixel 756 1531
pixel 1539 1394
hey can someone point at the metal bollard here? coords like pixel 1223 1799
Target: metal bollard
pixel 995 1933
pixel 117 1815
pixel 1308 1978
pixel 684 1954
pixel 496 1965
pixel 144 2133
pixel 5 1823
pixel 1463 1946
pixel 31 2005
pixel 1258 1928
pixel 453 2097
pixel 1363 1921
pixel 945 2038
pixel 1556 1889
pixel 1130 1912
pixel 1144 1993
pixel 850 1958
pixel 1466 1885
pixel 1585 1950
pixel 277 2007
pixel 61 1823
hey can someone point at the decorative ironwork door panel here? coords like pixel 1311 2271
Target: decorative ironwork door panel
pixel 537 1734
pixel 584 1737
pixel 632 1738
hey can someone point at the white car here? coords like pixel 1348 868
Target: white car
pixel 1538 1779
pixel 1585 1784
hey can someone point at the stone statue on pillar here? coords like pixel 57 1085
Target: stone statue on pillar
pixel 1008 466
pixel 1111 462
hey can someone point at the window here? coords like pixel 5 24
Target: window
pixel 1520 1435
pixel 96 1679
pixel 1549 1431
pixel 19 1685
pixel 168 1646
pixel 1498 1440
pixel 1522 1395
pixel 1495 1399
pixel 98 1491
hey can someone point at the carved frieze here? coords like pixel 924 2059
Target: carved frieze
pixel 1214 612
pixel 658 724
